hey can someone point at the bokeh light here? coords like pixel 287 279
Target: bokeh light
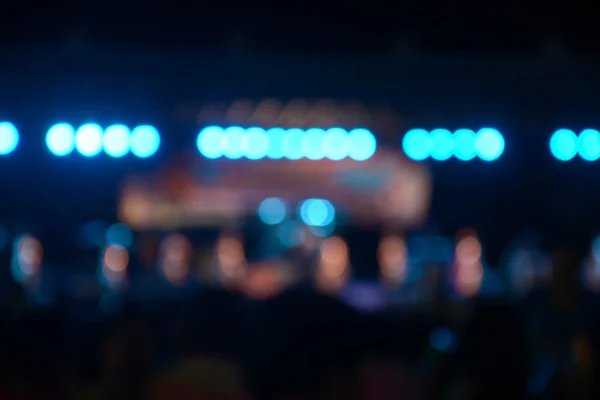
pixel 88 140
pixel 442 144
pixel 489 144
pixel 145 141
pixel 272 211
pixel 417 144
pixel 116 140
pixel 563 144
pixel 60 139
pixel 392 257
pixel 362 144
pixel 175 258
pixel 314 144
pixel 28 254
pixel 9 138
pixel 588 144
pixel 317 212
pixel 464 144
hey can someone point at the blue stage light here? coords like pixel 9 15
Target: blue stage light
pixel 588 144
pixel 292 144
pixel 336 144
pixel 464 144
pixel 88 140
pixel 315 144
pixel 312 144
pixel 257 143
pixel 442 144
pixel 116 140
pixel 362 144
pixel 276 139
pixel 417 144
pixel 317 212
pixel 9 138
pixel 60 139
pixel 272 211
pixel 489 144
pixel 234 142
pixel 145 141
pixel 210 142
pixel 563 144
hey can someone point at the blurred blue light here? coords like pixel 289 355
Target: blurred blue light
pixel 60 139
pixel 335 144
pixel 88 140
pixel 119 234
pixel 234 144
pixel 442 144
pixel 272 211
pixel 362 144
pixel 291 234
pixel 9 138
pixel 563 144
pixel 257 143
pixel 276 140
pixel 116 140
pixel 489 144
pixel 417 144
pixel 464 144
pixel 145 141
pixel 442 339
pixel 210 142
pixel 313 144
pixel 317 212
pixel 292 144
pixel 588 144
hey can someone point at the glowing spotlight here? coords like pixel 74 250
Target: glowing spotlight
pixel 60 139
pixel 116 140
pixel 235 142
pixel 210 142
pixel 442 144
pixel 312 144
pixel 291 144
pixel 9 138
pixel 588 144
pixel 489 144
pixel 275 137
pixel 417 144
pixel 336 144
pixel 145 141
pixel 317 212
pixel 272 211
pixel 88 140
pixel 563 144
pixel 362 144
pixel 464 144
pixel 257 143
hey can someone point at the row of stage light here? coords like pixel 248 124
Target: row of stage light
pixel 294 144
pixel 463 144
pixel 215 142
pixel 89 140
pixel 566 144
